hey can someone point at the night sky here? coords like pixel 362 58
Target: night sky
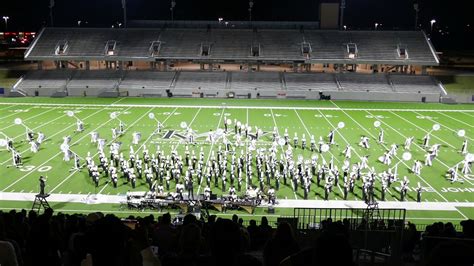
pixel 31 15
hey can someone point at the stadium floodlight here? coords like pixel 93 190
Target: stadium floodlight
pixel 433 21
pixel 6 18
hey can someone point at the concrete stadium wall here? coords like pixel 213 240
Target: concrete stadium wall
pixel 462 97
pixel 383 96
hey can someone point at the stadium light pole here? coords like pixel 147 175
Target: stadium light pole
pixel 343 6
pixel 250 10
pixel 173 4
pixel 6 18
pixel 124 7
pixel 51 5
pixel 417 10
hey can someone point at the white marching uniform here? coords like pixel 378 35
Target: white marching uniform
pixel 94 136
pixel 34 147
pixel 464 147
pixel 417 168
pixel 364 142
pixel 79 126
pixel 40 138
pixel 136 137
pixel 408 142
pixel 428 159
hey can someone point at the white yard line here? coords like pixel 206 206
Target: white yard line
pixel 422 129
pixel 421 148
pixel 108 143
pixel 309 135
pixel 429 185
pixel 210 151
pixel 462 122
pixel 347 142
pixel 49 137
pixel 455 131
pixel 144 143
pixel 27 119
pixel 283 152
pixel 189 125
pixel 436 191
pixel 59 153
pixel 240 107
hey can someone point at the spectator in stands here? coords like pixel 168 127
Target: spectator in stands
pixel 165 236
pixel 254 234
pixel 265 231
pixel 468 228
pixel 332 247
pixel 226 246
pixel 280 246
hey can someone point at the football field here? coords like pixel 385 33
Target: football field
pixel 441 199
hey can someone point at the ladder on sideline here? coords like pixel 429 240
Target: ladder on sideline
pixel 40 201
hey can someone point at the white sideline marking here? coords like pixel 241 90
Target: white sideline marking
pixel 239 107
pixel 117 199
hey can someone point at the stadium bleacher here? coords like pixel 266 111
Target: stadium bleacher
pixel 407 83
pixel 218 84
pixel 229 44
pixel 45 82
pixel 364 82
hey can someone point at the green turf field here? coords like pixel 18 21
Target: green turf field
pixel 399 120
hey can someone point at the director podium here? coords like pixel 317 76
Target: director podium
pixel 40 201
